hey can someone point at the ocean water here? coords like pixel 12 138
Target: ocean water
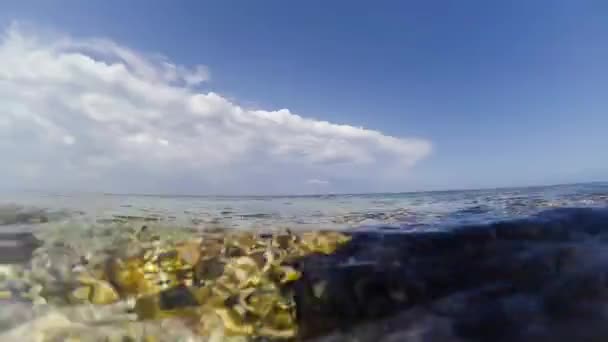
pixel 405 211
pixel 552 259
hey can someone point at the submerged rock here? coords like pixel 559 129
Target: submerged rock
pixel 537 279
pixel 12 214
pixel 237 278
pixel 17 247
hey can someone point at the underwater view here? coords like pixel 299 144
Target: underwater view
pixel 523 264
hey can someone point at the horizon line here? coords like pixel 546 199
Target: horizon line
pixel 135 194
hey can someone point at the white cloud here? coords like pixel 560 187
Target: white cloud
pixel 95 115
pixel 315 181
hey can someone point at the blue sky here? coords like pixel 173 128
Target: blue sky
pixel 508 93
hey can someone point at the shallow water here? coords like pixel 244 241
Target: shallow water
pixel 540 231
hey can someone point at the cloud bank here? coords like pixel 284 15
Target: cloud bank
pixel 92 115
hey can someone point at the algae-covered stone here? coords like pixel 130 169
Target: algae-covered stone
pixel 81 294
pixel 101 292
pixel 241 278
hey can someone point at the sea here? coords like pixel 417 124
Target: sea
pixel 408 211
pixel 26 315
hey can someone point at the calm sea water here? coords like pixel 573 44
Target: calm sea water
pixel 411 211
pixel 403 212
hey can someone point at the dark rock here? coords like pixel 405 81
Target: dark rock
pixel 577 294
pixel 17 247
pixel 537 279
pixel 177 297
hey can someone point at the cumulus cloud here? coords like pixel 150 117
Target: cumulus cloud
pixel 91 114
